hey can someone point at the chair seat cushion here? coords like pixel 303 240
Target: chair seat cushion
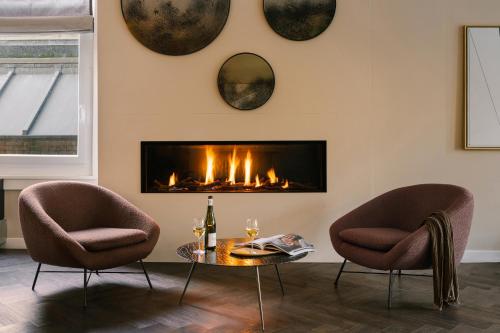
pixel 100 239
pixel 379 239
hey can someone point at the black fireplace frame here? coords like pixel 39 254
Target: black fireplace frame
pixel 321 143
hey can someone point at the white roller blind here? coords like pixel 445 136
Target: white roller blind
pixel 18 16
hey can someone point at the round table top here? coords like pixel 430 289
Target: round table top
pixel 222 255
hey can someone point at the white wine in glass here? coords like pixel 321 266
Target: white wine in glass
pixel 198 232
pixel 252 230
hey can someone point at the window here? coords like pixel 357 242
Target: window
pixel 46 89
pixel 46 102
pixel 39 95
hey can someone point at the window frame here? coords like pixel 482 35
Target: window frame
pixel 79 166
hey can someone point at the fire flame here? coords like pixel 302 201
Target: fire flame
pixel 171 180
pixel 257 181
pixel 248 169
pixel 272 176
pixel 233 165
pixel 209 176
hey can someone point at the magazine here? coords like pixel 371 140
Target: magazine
pixel 290 244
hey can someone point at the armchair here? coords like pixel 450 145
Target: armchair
pixel 387 233
pixel 78 225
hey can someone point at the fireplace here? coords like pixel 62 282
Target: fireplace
pixel 233 166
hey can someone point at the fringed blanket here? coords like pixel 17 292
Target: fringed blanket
pixel 443 259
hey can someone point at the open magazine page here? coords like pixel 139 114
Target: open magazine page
pixel 291 244
pixel 260 242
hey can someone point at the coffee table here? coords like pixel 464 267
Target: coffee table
pixel 222 257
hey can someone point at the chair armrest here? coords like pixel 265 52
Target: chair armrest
pixel 413 252
pixel 45 240
pixel 124 214
pixel 460 214
pixel 376 213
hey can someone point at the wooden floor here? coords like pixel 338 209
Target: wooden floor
pixel 225 300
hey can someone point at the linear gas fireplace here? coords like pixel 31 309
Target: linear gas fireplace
pixel 235 167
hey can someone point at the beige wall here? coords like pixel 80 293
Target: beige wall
pixel 12 214
pixel 383 85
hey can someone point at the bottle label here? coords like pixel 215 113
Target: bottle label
pixel 210 202
pixel 211 239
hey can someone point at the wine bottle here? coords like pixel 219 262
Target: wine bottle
pixel 210 227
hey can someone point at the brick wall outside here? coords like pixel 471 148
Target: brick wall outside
pixel 39 145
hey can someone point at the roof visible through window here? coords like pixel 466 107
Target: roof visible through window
pixel 39 94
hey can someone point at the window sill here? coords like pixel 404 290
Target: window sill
pixel 20 183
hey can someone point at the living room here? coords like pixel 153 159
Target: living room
pixel 355 126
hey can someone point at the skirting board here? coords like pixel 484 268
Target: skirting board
pixel 470 256
pixel 14 244
pixel 474 256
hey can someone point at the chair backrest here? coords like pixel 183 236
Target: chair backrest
pixel 72 205
pixel 412 204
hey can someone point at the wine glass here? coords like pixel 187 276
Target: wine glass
pixel 198 232
pixel 252 230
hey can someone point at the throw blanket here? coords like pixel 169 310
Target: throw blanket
pixel 443 259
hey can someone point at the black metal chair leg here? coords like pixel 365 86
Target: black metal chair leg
pixel 187 282
pixel 260 298
pixel 389 296
pixel 399 273
pixel 340 272
pixel 85 281
pixel 36 276
pixel 88 278
pixel 146 273
pixel 279 279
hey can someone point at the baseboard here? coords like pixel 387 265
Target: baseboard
pixel 14 244
pixel 474 256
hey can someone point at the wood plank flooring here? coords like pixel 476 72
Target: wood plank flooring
pixel 225 300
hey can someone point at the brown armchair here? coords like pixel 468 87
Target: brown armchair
pixel 387 233
pixel 78 225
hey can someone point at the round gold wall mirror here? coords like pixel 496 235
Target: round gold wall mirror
pixel 246 81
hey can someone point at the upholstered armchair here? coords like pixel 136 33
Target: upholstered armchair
pixel 387 233
pixel 78 225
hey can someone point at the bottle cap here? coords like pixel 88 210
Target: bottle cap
pixel 210 197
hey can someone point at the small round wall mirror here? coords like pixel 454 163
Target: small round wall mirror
pixel 246 81
pixel 175 27
pixel 299 19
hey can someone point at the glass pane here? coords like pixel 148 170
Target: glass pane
pixel 16 8
pixel 39 94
